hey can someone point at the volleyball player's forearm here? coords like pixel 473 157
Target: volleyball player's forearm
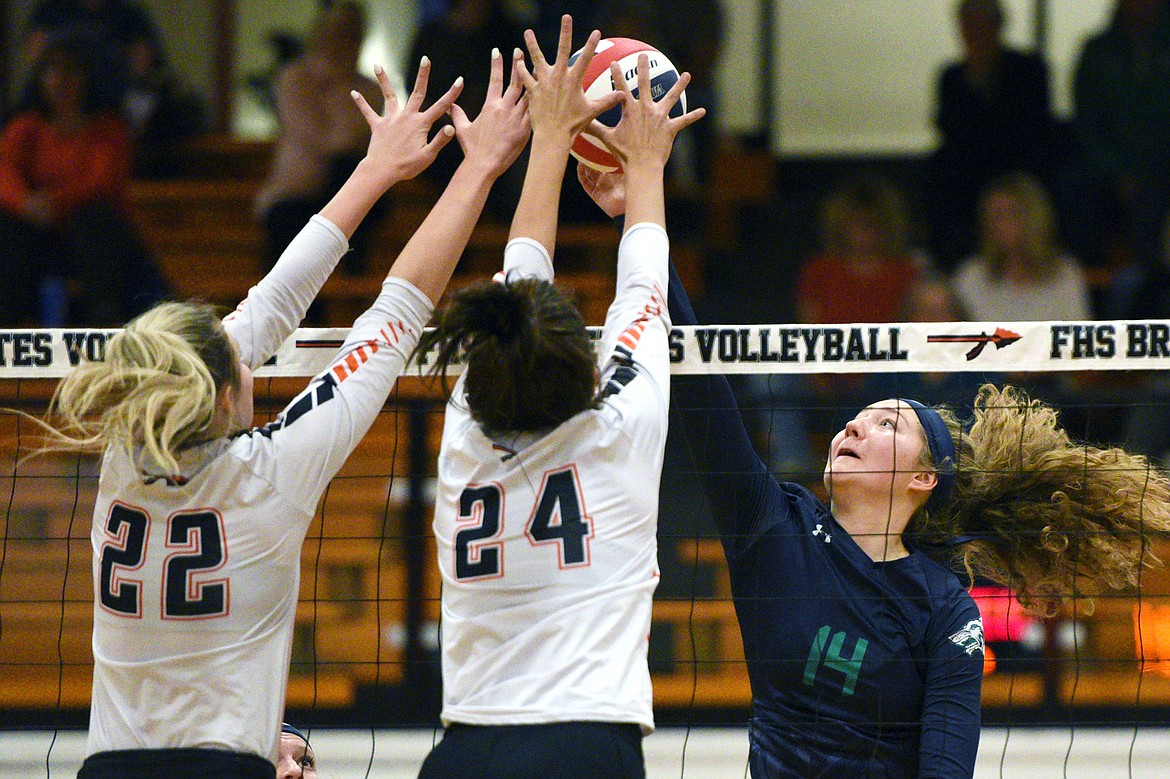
pixel 645 196
pixel 539 205
pixel 357 196
pixel 736 479
pixel 429 257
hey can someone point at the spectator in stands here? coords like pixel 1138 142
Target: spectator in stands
pixel 455 41
pixel 64 166
pixel 863 272
pixel 1143 292
pixel 161 111
pixel 1019 272
pixel 296 759
pixel 865 265
pixel 993 115
pixel 1122 109
pixel 109 29
pixel 321 137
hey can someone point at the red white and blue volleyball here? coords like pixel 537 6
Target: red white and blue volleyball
pixel 598 82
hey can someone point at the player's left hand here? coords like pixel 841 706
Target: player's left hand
pixel 498 135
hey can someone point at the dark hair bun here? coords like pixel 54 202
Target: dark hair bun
pixel 500 311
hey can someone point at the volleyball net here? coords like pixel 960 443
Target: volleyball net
pixel 365 648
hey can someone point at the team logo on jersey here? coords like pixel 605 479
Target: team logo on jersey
pixel 970 637
pixel 820 531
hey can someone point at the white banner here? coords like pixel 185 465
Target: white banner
pixel 908 347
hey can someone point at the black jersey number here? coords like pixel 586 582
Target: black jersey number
pixel 480 508
pixel 558 518
pixel 199 539
pixel 122 554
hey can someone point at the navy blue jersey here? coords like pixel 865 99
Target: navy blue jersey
pixel 858 668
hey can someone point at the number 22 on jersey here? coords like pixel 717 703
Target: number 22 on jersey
pixel 558 518
pixel 197 541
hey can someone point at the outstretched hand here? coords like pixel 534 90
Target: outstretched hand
pixel 646 131
pixel 399 147
pixel 608 190
pixel 557 101
pixel 498 135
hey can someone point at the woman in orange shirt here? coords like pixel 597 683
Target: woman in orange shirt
pixel 64 166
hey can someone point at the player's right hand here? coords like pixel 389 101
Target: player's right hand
pixel 400 147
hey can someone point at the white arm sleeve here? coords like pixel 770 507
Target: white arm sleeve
pixel 276 305
pixel 634 342
pixel 319 428
pixel 525 258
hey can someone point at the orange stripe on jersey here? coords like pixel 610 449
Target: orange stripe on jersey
pixel 632 334
pixel 358 356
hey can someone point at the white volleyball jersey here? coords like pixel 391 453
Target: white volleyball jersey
pixel 196 574
pixel 546 542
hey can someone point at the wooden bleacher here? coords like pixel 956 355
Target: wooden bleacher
pixel 203 234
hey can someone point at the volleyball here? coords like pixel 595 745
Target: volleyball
pixel 598 82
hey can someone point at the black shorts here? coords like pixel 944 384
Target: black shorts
pixel 567 750
pixel 175 764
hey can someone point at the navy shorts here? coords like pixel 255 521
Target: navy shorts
pixel 175 764
pixel 567 750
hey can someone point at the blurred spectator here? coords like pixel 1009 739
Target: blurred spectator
pixel 322 135
pixel 109 28
pixel 993 116
pixel 285 47
pixel 1122 102
pixel 64 165
pixel 161 111
pixel 1019 272
pixel 866 266
pixel 1143 292
pixel 863 274
pixel 458 43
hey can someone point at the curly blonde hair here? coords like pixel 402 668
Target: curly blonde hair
pixel 156 388
pixel 1037 512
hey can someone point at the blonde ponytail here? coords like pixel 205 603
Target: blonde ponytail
pixel 156 389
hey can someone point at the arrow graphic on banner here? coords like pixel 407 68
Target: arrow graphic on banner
pixel 1000 338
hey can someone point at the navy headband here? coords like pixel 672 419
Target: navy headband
pixel 287 728
pixel 942 449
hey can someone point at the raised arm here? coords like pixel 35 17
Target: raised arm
pixel 341 403
pixel 559 110
pixel 736 480
pixel 399 149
